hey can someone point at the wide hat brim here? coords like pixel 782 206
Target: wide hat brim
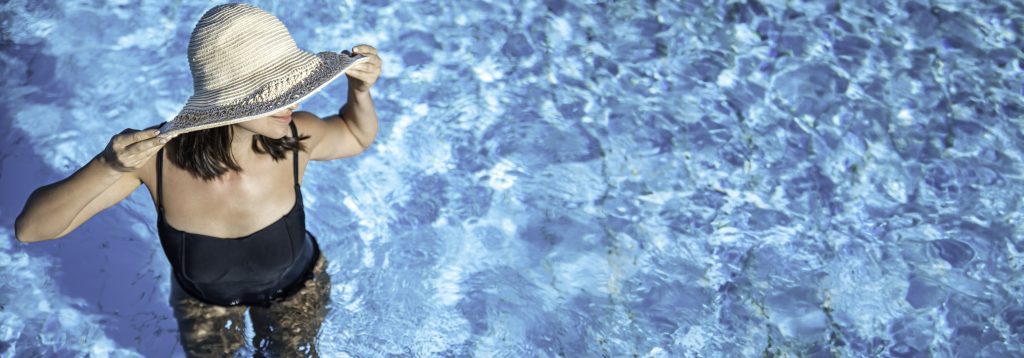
pixel 331 66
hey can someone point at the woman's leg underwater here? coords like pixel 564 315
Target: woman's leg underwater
pixel 292 326
pixel 207 330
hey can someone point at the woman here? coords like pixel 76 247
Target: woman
pixel 225 177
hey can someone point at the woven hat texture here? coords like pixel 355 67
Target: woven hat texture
pixel 246 65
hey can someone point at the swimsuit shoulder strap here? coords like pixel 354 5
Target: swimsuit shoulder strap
pixel 160 179
pixel 295 153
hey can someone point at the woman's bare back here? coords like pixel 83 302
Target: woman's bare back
pixel 233 205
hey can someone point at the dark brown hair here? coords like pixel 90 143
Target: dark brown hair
pixel 206 154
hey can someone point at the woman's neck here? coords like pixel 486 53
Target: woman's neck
pixel 241 145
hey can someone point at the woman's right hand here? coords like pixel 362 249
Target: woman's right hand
pixel 130 149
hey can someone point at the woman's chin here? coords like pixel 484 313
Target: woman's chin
pixel 276 134
pixel 269 129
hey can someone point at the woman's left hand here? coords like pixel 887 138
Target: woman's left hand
pixel 361 76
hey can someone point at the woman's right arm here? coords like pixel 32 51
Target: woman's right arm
pixel 54 210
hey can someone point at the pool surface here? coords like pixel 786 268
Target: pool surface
pixel 571 178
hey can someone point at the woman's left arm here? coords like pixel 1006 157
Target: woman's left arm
pixel 359 113
pixel 354 128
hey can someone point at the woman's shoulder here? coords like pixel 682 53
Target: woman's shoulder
pixel 309 124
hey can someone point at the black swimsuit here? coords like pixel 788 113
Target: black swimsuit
pixel 257 269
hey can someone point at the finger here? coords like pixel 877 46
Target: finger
pixel 127 139
pixel 138 147
pixel 365 50
pixel 122 139
pixel 371 63
pixel 357 71
pixel 144 135
pixel 140 159
pixel 169 134
pixel 144 156
pixel 365 66
pixel 360 75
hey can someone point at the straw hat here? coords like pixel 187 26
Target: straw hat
pixel 245 65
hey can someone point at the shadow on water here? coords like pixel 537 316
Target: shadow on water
pixel 105 268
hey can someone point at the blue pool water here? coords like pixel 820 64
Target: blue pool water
pixel 569 178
